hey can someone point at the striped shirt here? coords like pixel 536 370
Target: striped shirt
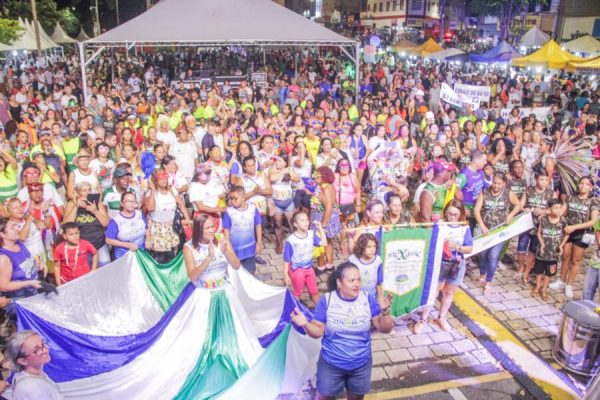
pixel 8 183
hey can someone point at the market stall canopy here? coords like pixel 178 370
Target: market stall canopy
pixel 430 46
pixel 549 56
pixel 219 23
pixel 403 45
pixel 503 52
pixel 584 44
pixel 444 54
pixel 534 37
pixel 82 36
pixel 60 36
pixel 585 67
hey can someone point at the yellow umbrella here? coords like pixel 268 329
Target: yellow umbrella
pixel 549 56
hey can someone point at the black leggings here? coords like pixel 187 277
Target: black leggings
pixel 162 257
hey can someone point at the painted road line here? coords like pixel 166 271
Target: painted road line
pixel 514 355
pixel 456 394
pixel 438 386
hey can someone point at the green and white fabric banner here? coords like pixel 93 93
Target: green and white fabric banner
pixel 411 261
pixel 501 233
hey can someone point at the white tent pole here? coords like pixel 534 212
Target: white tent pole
pixel 357 73
pixel 83 72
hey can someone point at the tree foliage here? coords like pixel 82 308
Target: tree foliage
pixel 9 30
pixel 69 21
pixel 46 10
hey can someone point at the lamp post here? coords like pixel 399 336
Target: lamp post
pixel 117 7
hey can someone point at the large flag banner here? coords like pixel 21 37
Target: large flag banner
pixel 501 233
pixel 135 329
pixel 481 93
pixel 411 261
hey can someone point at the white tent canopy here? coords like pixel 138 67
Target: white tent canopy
pixel 82 36
pixel 45 40
pixel 213 23
pixel 534 37
pixel 219 22
pixel 60 36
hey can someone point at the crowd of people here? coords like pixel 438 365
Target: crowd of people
pixel 298 162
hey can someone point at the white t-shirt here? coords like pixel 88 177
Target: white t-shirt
pixel 208 194
pixel 134 83
pixel 185 157
pixel 167 138
pixel 104 171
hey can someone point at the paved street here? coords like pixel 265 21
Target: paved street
pixel 457 365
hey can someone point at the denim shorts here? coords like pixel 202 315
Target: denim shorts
pixel 249 264
pixel 284 206
pixel 331 380
pixel 527 242
pixel 445 274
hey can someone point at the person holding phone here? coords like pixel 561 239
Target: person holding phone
pixel 92 218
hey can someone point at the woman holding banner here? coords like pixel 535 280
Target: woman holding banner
pixel 457 242
pixel 344 317
pixel 493 209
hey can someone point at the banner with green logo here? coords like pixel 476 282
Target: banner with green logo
pixel 411 261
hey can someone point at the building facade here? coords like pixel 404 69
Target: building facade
pixel 418 14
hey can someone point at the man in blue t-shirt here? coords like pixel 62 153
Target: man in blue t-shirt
pixel 470 183
pixel 242 227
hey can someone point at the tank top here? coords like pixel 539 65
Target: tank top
pixel 90 178
pixel 438 192
pixel 345 190
pixel 215 275
pixel 23 269
pixel 517 186
pixel 164 213
pixel 360 144
pixel 90 228
pixel 282 191
pixel 495 209
pixel 536 199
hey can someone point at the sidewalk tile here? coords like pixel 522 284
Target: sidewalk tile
pixel 399 355
pixel 462 346
pixel 420 352
pixel 420 339
pixel 443 349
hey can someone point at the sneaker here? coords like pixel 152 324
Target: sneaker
pixel 557 285
pixel 569 291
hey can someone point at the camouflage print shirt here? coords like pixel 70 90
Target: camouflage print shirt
pixel 553 235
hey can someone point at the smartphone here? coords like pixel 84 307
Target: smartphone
pixel 93 198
